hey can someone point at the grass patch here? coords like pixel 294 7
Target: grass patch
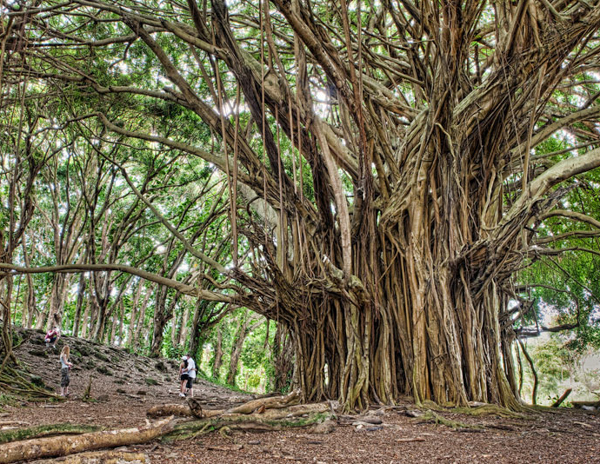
pixel 101 356
pixel 104 370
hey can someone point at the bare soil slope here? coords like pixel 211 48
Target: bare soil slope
pixel 123 389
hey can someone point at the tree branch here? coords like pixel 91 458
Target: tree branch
pixel 75 268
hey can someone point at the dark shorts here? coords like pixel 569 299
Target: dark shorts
pixel 185 377
pixel 190 383
pixel 50 340
pixel 64 377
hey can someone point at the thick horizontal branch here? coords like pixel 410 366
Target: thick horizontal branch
pixel 557 251
pixel 75 268
pixel 558 173
pixel 573 234
pixel 572 215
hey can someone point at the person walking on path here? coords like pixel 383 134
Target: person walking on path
pixel 65 367
pixel 183 375
pixel 191 365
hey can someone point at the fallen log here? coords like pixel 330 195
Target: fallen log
pixel 102 457
pixel 291 411
pixel 193 408
pixel 180 410
pixel 274 402
pixel 581 404
pixel 62 445
pixel 246 422
pixel 45 430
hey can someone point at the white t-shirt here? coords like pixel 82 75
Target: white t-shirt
pixel 191 368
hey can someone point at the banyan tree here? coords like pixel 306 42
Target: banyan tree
pixel 388 162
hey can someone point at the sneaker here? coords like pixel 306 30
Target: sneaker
pixel 182 395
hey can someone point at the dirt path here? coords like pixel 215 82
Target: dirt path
pixel 125 386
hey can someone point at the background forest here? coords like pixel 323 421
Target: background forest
pixel 286 192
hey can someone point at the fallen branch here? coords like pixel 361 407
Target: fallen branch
pixel 563 397
pixel 66 445
pixel 102 457
pixel 409 440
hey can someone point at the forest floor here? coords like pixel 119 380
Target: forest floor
pixel 125 386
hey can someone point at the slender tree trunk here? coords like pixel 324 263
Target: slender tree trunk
pixel 199 311
pixel 79 304
pixel 90 310
pixel 162 314
pixel 218 361
pixel 29 309
pixel 121 319
pixel 141 319
pixel 101 318
pixel 113 328
pixel 57 299
pixel 133 314
pixel 238 344
pixel 182 335
pixel 174 330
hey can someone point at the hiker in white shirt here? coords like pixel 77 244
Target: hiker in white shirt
pixel 191 365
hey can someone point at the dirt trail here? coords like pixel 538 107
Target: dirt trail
pixel 124 388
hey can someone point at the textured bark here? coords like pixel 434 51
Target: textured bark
pixel 66 445
pixel 268 403
pixel 99 457
pixel 283 351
